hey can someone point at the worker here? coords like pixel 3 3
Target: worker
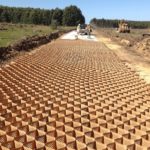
pixel 89 28
pixel 78 28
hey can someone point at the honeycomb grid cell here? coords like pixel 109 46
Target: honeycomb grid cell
pixel 73 95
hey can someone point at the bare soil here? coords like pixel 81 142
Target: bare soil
pixel 131 56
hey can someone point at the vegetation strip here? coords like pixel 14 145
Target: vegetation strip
pixel 42 16
pixel 108 23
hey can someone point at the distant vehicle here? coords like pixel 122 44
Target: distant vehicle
pixel 82 30
pixel 123 27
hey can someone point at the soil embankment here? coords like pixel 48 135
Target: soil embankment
pixel 27 44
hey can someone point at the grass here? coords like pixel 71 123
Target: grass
pixel 16 32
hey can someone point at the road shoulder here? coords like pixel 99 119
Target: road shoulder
pixel 130 58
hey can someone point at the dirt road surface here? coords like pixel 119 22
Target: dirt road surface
pixel 135 61
pixel 73 95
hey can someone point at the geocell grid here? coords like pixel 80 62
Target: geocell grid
pixel 73 95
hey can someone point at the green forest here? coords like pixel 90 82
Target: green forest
pixel 108 23
pixel 70 16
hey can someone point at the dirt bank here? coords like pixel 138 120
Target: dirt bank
pixel 27 44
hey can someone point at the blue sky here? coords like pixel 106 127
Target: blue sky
pixel 110 9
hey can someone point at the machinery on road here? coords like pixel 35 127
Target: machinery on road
pixel 84 29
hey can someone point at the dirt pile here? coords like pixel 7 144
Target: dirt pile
pixel 5 52
pixel 125 42
pixel 34 41
pixel 144 46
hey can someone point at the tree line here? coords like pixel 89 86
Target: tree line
pixel 108 23
pixel 70 16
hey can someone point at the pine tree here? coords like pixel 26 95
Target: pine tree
pixel 58 16
pixel 72 16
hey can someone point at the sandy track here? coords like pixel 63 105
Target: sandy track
pixel 73 95
pixel 137 62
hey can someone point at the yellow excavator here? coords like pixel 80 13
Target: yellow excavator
pixel 123 27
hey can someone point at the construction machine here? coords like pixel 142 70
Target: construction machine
pixel 123 27
pixel 83 29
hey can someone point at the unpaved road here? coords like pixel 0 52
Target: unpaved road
pixel 73 95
